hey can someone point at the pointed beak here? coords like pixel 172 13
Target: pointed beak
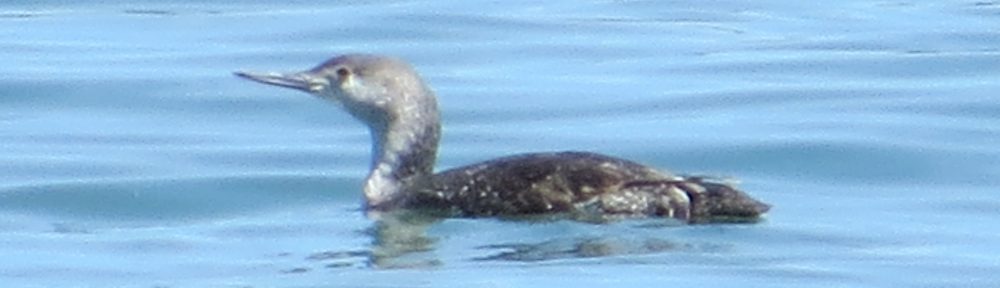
pixel 303 81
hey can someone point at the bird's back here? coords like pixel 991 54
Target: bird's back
pixel 532 183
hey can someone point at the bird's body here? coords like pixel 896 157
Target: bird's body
pixel 401 112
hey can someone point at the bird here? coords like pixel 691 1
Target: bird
pixel 401 112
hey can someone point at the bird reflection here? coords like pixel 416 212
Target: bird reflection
pixel 582 247
pixel 399 240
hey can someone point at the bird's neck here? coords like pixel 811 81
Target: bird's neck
pixel 403 155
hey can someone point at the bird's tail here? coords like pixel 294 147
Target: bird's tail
pixel 715 200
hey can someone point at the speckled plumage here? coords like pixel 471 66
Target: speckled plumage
pixel 536 183
pixel 401 111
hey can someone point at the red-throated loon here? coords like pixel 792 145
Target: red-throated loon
pixel 402 114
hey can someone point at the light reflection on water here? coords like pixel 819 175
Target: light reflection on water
pixel 129 155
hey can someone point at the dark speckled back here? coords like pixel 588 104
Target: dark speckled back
pixel 531 183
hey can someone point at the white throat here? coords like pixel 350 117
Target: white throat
pixel 403 154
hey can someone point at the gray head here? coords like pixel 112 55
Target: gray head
pixel 375 89
pixel 390 98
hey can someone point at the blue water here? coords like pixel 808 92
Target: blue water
pixel 131 157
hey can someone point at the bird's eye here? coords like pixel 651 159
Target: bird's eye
pixel 343 72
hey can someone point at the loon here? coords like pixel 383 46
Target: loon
pixel 401 112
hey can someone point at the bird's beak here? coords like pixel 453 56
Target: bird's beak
pixel 304 81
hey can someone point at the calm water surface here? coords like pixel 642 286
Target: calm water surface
pixel 130 156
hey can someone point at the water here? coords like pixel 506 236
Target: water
pixel 130 156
